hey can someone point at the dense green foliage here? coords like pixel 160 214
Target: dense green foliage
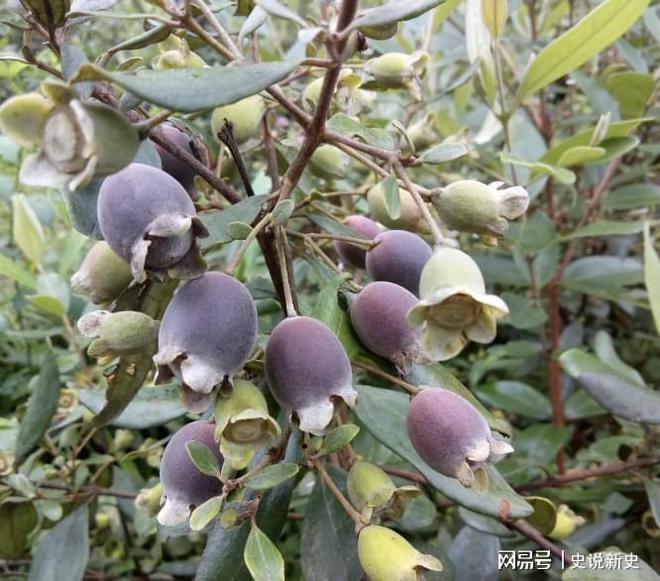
pixel 522 132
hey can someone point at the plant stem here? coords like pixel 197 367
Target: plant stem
pixel 256 229
pixel 423 208
pixel 289 307
pixel 409 387
pixel 527 530
pixel 348 507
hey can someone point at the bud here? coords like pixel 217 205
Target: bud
pixel 22 118
pixel 242 424
pixel 387 556
pixel 306 367
pixel 149 499
pixel 423 134
pixel 454 305
pixel 410 217
pixel 176 54
pixel 451 436
pixel 329 162
pixel 121 333
pixel 102 276
pixel 397 70
pixel 471 206
pixel 566 523
pixel 79 141
pixel 245 116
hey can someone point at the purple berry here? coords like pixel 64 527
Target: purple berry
pixel 398 257
pixel 178 169
pixel 353 255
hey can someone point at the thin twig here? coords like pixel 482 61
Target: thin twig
pixel 409 387
pixel 246 243
pixel 348 507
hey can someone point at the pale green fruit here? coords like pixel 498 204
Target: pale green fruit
pixel 245 115
pixel 176 54
pixel 328 161
pixel 410 217
pixel 120 333
pixel 22 118
pixel 243 425
pixel 470 206
pixel 566 523
pixel 387 556
pixel 102 276
pixel 369 486
pixel 396 69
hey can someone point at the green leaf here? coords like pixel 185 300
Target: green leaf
pixel 632 196
pixel 271 476
pixel 48 304
pixel 617 129
pixel 523 312
pixel 262 557
pixel 652 275
pixel 82 208
pixel 275 8
pixel 218 221
pixel 539 444
pixel 494 14
pixel 444 152
pixel 223 556
pixel 41 407
pixel 205 513
pixel 255 19
pixel 632 91
pixel 282 212
pixel 28 233
pixel 238 230
pixel 595 32
pixel 606 228
pixel 345 125
pixel 395 11
pixel 191 90
pixel 328 543
pixel 338 437
pixel 591 274
pixel 616 147
pixel 328 310
pixel 544 517
pixel 383 413
pixel 516 397
pixel 604 347
pixel 203 458
pixel 50 13
pixel 64 551
pixel 11 269
pixel 580 155
pixel 391 197
pixel 614 391
pixel 581 405
pixel 562 175
pixel 152 406
pixel 17 520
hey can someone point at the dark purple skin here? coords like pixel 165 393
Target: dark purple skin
pixel 305 362
pixel 350 254
pixel 214 318
pixel 442 427
pixel 179 476
pixel 399 257
pixel 378 316
pixel 130 200
pixel 175 167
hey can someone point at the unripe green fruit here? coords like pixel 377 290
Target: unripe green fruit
pixel 329 162
pixel 183 484
pixel 22 118
pixel 378 316
pixel 149 220
pixel 471 206
pixel 351 254
pixel 410 218
pixel 422 134
pixel 399 257
pixel 566 523
pixel 306 366
pixel 102 276
pixel 245 115
pixel 120 333
pixel 386 556
pixel 397 70
pixel 369 486
pixel 450 434
pixel 207 334
pixel 380 32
